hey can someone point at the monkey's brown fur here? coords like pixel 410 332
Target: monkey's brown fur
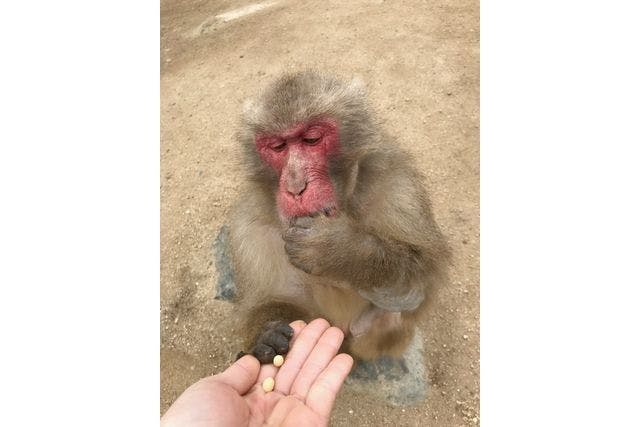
pixel 374 267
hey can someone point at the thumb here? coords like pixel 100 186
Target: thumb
pixel 242 375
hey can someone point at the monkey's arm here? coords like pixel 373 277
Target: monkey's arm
pixel 388 247
pixel 388 272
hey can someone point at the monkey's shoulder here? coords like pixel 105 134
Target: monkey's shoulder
pixel 391 178
pixel 255 205
pixel 391 198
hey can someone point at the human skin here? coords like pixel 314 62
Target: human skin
pixel 306 386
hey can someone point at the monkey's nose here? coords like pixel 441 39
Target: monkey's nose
pixel 296 188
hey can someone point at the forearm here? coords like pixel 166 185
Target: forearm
pixel 367 261
pixel 385 271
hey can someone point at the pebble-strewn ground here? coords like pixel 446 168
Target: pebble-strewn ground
pixel 420 60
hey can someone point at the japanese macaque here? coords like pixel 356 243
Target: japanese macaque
pixel 335 222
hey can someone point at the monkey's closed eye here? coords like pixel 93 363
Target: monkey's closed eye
pixel 311 141
pixel 278 147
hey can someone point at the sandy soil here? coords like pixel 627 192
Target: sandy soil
pixel 420 60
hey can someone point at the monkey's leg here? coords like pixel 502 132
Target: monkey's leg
pixel 267 329
pixel 377 332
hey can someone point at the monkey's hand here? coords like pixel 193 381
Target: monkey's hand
pixel 315 243
pixel 332 246
pixel 274 339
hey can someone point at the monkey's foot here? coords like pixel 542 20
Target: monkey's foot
pixel 274 339
pixel 398 381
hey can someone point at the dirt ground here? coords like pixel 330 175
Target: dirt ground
pixel 420 61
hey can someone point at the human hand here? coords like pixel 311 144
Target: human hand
pixel 306 386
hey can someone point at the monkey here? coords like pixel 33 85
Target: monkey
pixel 335 221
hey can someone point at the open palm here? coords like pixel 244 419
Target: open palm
pixel 306 386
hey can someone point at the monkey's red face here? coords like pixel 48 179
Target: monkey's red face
pixel 300 155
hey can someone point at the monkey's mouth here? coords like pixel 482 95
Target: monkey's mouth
pixel 317 198
pixel 306 206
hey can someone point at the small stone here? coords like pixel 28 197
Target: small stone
pixel 351 411
pixel 278 361
pixel 466 337
pixel 268 384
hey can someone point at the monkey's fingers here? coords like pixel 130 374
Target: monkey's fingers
pixel 303 222
pixel 264 353
pixel 288 330
pixel 273 340
pixel 268 370
pixel 295 234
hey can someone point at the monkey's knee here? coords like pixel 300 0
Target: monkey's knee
pixel 376 343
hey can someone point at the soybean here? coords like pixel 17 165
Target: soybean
pixel 268 384
pixel 278 361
